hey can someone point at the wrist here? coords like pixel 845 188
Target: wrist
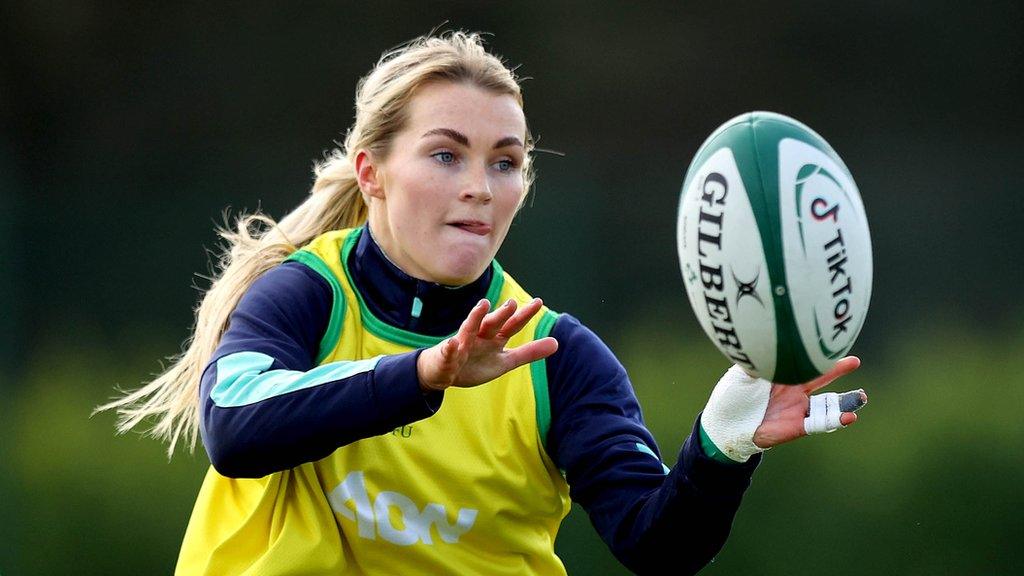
pixel 712 451
pixel 733 413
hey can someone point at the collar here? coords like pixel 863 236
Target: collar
pixel 406 302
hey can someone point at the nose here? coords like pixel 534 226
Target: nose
pixel 477 188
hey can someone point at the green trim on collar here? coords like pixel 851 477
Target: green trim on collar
pixel 399 336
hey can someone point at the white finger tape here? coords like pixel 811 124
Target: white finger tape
pixel 824 414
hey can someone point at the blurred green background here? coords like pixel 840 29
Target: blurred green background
pixel 127 129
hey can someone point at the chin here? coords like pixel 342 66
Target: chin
pixel 461 273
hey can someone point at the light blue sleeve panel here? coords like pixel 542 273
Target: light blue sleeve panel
pixel 242 378
pixel 647 450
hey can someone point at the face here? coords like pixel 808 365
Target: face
pixel 442 201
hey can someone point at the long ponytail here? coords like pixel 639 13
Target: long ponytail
pixel 256 244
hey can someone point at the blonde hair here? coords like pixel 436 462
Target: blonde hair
pixel 258 243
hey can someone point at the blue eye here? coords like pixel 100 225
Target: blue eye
pixel 444 157
pixel 505 165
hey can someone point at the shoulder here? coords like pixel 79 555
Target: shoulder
pixel 327 246
pixel 570 326
pixel 291 282
pixel 582 360
pixel 581 352
pixel 284 313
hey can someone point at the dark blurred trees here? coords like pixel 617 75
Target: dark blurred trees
pixel 129 128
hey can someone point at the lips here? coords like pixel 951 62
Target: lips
pixel 472 226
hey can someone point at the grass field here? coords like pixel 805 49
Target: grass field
pixel 928 482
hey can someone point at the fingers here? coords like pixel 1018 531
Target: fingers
pixel 830 411
pixel 531 352
pixel 449 350
pixel 476 353
pixel 777 432
pixel 853 400
pixel 772 434
pixel 842 368
pixel 504 322
pixel 520 318
pixel 850 402
pixel 495 320
pixel 452 356
pixel 471 325
pixel 437 367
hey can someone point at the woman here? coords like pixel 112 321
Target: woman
pixel 378 396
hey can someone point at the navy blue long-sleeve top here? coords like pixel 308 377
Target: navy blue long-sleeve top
pixel 641 509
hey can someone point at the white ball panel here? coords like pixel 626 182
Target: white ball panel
pixel 827 250
pixel 723 265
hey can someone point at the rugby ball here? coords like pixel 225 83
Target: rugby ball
pixel 774 247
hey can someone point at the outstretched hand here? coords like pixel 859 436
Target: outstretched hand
pixel 788 406
pixel 476 353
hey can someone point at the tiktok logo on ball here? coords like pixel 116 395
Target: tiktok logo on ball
pixel 826 211
pixel 375 518
pixel 836 251
pixel 821 209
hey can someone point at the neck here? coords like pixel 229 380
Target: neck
pixel 406 302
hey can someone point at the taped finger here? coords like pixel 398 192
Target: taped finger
pixel 853 400
pixel 823 415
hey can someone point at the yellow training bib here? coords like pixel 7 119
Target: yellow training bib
pixel 469 490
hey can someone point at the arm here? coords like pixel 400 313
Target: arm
pixel 597 435
pixel 266 408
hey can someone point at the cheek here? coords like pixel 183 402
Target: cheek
pixel 422 190
pixel 412 201
pixel 511 196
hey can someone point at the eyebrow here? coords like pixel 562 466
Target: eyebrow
pixel 462 139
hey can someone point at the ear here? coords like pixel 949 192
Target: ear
pixel 368 174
